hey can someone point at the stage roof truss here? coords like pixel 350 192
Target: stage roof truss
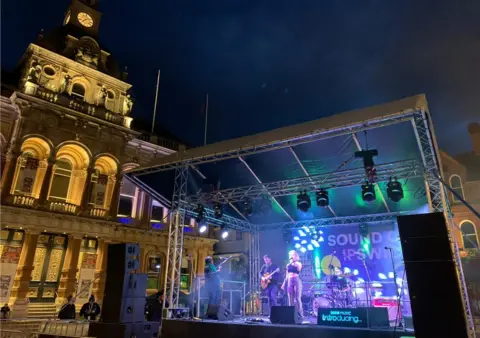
pixel 344 178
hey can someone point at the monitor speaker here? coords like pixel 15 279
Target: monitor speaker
pixel 433 283
pixel 219 312
pixel 284 315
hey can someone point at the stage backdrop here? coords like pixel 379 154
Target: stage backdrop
pixel 341 246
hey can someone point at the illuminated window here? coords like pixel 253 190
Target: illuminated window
pixel 456 185
pixel 157 213
pixel 78 90
pixel 469 235
pixel 127 199
pixel 28 166
pixel 61 180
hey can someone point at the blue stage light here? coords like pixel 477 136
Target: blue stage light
pixel 382 276
pixel 296 238
pixel 304 242
pixel 346 270
pixel 306 229
pixel 391 275
pixel 355 272
pixel 297 246
pixel 301 233
pixel 315 243
pixel 303 250
pixel 321 239
pixel 310 247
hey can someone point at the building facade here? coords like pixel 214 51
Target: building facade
pixel 463 174
pixel 66 143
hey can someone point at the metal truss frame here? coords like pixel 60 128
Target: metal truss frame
pixel 436 194
pixel 229 221
pixel 437 197
pixel 338 179
pixel 175 238
pixel 335 221
pixel 316 135
pixel 254 263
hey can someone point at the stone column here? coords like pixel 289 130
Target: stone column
pixel 68 279
pixel 42 199
pixel 8 172
pixel 18 298
pixel 146 208
pixel 100 276
pixel 142 258
pixel 116 197
pixel 87 191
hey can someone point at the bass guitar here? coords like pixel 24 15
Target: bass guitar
pixel 266 278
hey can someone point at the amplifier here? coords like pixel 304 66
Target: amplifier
pixel 391 304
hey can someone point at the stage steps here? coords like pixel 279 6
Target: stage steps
pixel 42 310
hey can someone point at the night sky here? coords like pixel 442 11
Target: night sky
pixel 268 64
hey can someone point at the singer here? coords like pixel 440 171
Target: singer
pixel 294 283
pixel 212 282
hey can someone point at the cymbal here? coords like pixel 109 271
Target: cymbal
pixel 345 275
pixel 327 261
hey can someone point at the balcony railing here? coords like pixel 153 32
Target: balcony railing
pixel 63 207
pixel 24 201
pixel 76 104
pixel 98 212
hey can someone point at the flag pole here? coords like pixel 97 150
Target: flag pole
pixel 206 120
pixel 156 99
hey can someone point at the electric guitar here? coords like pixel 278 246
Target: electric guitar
pixel 266 278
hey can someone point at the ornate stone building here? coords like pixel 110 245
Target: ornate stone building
pixel 66 142
pixel 463 175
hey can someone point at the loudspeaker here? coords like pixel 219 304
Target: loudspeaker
pixel 129 285
pixel 138 330
pixel 218 312
pixel 284 315
pixel 122 258
pixel 378 317
pixel 432 277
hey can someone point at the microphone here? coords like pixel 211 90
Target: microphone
pixel 388 248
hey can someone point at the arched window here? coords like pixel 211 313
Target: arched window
pixel 27 166
pixel 78 90
pixel 456 185
pixel 103 182
pixel 69 174
pixel 469 235
pixel 62 173
pixel 31 167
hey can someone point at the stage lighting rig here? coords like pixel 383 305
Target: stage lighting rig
pixel 203 228
pixel 367 156
pixel 394 190
pixel 303 202
pixel 217 210
pixel 368 192
pixel 322 198
pixel 200 210
pixel 224 233
pixel 247 207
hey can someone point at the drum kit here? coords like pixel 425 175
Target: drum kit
pixel 337 290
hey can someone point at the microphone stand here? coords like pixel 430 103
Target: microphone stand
pixel 400 324
pixel 332 269
pixel 367 287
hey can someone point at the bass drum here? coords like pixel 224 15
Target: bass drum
pixel 321 302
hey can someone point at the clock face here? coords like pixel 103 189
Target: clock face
pixel 67 18
pixel 85 19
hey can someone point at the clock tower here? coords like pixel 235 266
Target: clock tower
pixel 83 14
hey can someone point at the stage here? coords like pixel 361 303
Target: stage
pixel 173 328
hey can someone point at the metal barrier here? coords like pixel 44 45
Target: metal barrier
pixel 233 293
pixel 12 334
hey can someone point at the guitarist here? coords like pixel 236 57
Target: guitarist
pixel 269 274
pixel 212 284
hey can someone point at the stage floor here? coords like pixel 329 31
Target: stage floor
pixel 238 328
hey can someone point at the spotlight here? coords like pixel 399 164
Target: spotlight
pixel 297 246
pixel 310 247
pixel 296 238
pixel 303 250
pixel 247 207
pixel 303 242
pixel 368 192
pixel 303 202
pixel 217 210
pixel 322 198
pixel 394 190
pixel 301 233
pixel 200 210
pixel 321 239
pixel 315 243
pixel 203 228
pixel 224 232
